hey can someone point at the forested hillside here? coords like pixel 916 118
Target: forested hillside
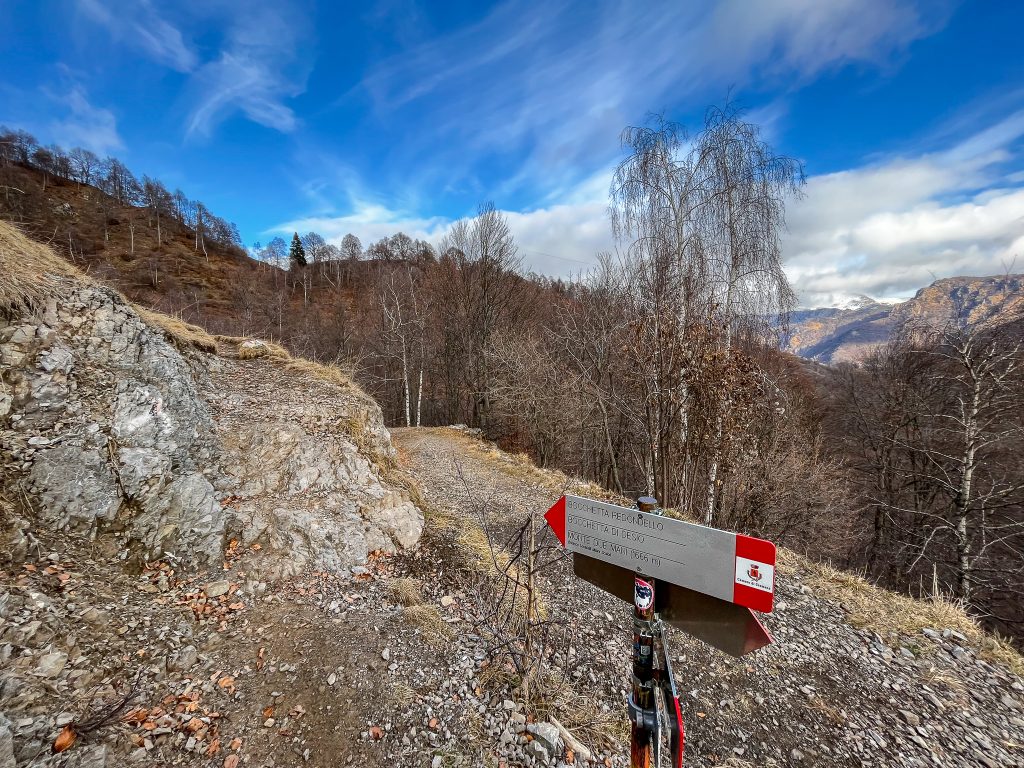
pixel 659 371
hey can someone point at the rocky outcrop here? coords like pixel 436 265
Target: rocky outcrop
pixel 299 485
pixel 113 432
pixel 106 430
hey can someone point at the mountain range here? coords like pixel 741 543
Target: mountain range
pixel 849 333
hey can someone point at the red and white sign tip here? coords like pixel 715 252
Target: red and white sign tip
pixel 754 584
pixel 556 519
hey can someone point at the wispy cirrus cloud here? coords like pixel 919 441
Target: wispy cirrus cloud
pixel 254 70
pixel 138 24
pixel 527 103
pixel 884 229
pixel 85 125
pixel 557 81
pixel 257 70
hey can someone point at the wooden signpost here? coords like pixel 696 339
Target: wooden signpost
pixel 699 579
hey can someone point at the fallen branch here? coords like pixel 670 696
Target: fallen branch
pixel 102 717
pixel 571 742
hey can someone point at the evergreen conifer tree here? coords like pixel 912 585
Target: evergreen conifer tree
pixel 297 254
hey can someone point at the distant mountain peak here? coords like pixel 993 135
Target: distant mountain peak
pixel 855 302
pixel 856 326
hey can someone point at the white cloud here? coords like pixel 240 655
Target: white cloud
pixel 558 241
pixel 554 84
pixel 85 125
pixel 257 70
pixel 369 222
pixel 137 23
pixel 562 240
pixel 889 228
pixel 884 230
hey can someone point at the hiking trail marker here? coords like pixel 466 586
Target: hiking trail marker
pixel 728 566
pixel 702 580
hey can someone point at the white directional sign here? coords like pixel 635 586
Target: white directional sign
pixel 732 567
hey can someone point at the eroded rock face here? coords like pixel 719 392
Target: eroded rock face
pixel 109 429
pixel 106 424
pixel 303 491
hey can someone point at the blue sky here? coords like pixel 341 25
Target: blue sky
pixel 372 118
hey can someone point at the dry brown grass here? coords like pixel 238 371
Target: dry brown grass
pixel 356 424
pixel 407 592
pixel 249 349
pixel 332 374
pixel 893 615
pixel 402 694
pixel 582 714
pixel 500 579
pixel 939 677
pixel 183 335
pixel 826 709
pixel 30 272
pixel 434 515
pixel 495 676
pixel 428 620
pixel 995 647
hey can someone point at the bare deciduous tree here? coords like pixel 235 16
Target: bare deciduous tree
pixel 700 223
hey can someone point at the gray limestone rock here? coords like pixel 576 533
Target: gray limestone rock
pixel 75 486
pixel 51 664
pixel 548 735
pixel 6 744
pixel 538 752
pixel 184 660
pixel 118 432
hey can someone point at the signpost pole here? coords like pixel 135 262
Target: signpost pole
pixel 702 580
pixel 643 713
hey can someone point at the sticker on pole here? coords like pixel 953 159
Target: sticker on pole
pixel 733 567
pixel 643 595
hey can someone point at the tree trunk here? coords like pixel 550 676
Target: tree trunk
pixel 611 447
pixel 716 446
pixel 405 384
pixel 963 496
pixel 419 397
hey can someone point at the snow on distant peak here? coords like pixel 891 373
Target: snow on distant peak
pixel 859 301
